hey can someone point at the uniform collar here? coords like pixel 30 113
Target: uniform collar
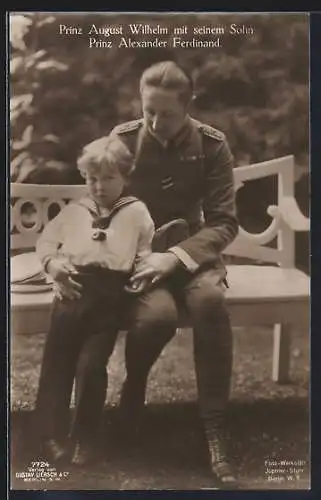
pixel 163 143
pixel 179 137
pixel 183 133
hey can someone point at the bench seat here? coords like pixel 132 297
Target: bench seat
pixel 275 293
pixel 253 287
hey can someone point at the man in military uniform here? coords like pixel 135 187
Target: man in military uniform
pixel 183 169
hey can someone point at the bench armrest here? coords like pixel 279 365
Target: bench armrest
pixel 290 213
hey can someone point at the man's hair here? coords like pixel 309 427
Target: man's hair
pixel 168 75
pixel 104 154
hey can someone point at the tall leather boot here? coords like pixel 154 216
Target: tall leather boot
pixel 131 409
pixel 221 469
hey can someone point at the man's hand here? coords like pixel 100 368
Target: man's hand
pixel 155 267
pixel 136 287
pixel 61 271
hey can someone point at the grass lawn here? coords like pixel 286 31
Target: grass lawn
pixel 267 422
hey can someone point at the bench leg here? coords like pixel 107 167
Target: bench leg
pixel 281 353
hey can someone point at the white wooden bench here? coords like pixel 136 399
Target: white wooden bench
pixel 274 293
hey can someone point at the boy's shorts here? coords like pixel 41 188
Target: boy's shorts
pixel 101 282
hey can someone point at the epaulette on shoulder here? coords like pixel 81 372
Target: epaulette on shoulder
pixel 131 126
pixel 211 132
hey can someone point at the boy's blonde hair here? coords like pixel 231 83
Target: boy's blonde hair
pixel 106 153
pixel 168 75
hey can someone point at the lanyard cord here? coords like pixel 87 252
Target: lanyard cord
pixel 100 222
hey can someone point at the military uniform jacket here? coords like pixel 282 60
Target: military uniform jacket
pixel 190 177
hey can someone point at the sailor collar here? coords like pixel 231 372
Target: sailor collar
pixel 101 222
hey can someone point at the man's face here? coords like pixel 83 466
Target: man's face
pixel 163 111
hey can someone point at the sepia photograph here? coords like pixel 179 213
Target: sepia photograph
pixel 159 316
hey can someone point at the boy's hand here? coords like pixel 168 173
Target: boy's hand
pixel 66 290
pixel 61 271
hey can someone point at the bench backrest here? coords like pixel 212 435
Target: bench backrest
pixel 44 201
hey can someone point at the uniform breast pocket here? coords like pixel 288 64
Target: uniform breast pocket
pixel 189 176
pixel 147 180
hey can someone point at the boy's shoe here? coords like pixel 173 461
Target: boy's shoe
pixel 83 454
pixel 54 451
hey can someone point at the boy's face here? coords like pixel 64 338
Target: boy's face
pixel 105 186
pixel 163 111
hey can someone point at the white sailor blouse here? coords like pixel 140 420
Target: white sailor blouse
pixel 119 241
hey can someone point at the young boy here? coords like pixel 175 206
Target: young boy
pixel 95 242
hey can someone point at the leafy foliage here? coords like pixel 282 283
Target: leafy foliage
pixel 64 94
